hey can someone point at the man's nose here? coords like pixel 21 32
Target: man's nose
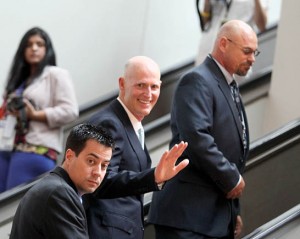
pixel 148 91
pixel 97 171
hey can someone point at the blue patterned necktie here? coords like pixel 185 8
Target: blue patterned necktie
pixel 237 100
pixel 236 97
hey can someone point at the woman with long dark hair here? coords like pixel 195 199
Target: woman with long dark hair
pixel 41 97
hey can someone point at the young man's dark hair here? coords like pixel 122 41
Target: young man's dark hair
pixel 81 133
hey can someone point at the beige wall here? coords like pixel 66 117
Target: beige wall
pixel 94 38
pixel 283 104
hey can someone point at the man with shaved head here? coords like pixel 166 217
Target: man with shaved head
pixel 129 172
pixel 202 201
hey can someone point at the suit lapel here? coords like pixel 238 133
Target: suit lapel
pixel 225 89
pixel 141 155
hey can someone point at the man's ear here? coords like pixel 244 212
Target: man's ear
pixel 223 44
pixel 69 155
pixel 121 83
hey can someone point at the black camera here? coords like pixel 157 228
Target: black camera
pixel 15 103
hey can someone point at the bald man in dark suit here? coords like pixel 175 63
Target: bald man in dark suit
pixel 129 175
pixel 202 201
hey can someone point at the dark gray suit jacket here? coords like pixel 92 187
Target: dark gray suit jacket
pixel 129 173
pixel 51 209
pixel 204 115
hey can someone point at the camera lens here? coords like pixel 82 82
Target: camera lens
pixel 15 103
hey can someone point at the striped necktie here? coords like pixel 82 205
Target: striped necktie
pixel 237 100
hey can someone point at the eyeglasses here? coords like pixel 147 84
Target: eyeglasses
pixel 246 50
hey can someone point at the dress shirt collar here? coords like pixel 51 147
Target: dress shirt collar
pixel 229 78
pixel 135 123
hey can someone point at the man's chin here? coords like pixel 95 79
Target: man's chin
pixel 91 189
pixel 244 74
pixel 144 112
